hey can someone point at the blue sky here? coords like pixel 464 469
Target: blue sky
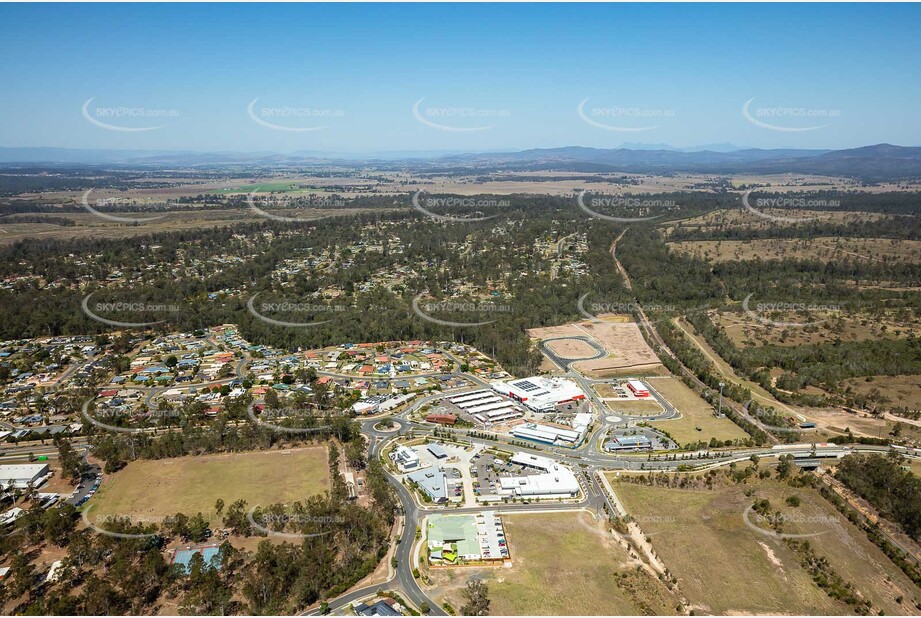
pixel 490 77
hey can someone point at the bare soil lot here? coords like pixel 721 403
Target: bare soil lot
pixel 571 348
pixel 621 339
pixel 838 420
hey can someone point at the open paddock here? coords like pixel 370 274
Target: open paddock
pixel 562 564
pixel 695 412
pixel 149 490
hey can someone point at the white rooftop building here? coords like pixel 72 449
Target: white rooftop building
pixel 540 393
pixel 21 475
pixel 556 481
pixel 405 457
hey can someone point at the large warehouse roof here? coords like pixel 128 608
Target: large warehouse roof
pixel 539 392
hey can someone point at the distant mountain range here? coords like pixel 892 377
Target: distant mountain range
pixel 871 163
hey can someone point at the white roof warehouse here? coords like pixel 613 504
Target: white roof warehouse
pixel 557 481
pixel 539 393
pixel 20 476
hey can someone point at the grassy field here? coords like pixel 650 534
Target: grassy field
pixel 563 564
pixel 152 489
pixel 825 249
pixel 725 567
pixel 283 186
pixel 695 412
pixel 745 331
pixel 741 218
pixel 87 225
pixel 902 390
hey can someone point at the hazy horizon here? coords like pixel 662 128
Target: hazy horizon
pixel 357 79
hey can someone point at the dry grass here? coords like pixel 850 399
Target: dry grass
pixel 822 327
pixel 823 249
pixel 899 390
pixel 148 490
pixel 87 225
pixel 695 412
pixel 742 218
pixel 562 564
pixel 725 567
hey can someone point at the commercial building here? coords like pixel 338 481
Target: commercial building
pixel 466 537
pixel 629 443
pixel 638 388
pixel 384 607
pixel 380 403
pixel 547 434
pixel 467 399
pixel 405 457
pixel 21 476
pixel 556 480
pixel 433 482
pixel 442 419
pixel 502 414
pixel 540 393
pixel 436 450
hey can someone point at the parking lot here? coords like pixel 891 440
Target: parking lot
pixel 89 483
pixel 659 442
pixel 486 469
